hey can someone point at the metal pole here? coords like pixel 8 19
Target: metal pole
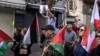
pixel 65 21
pixel 44 52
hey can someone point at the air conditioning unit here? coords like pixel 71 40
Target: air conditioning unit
pixel 72 13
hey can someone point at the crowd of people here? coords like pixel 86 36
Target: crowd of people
pixel 72 43
pixel 72 39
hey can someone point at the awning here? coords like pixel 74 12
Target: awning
pixel 59 6
pixel 13 4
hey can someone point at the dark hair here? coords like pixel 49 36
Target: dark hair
pixel 48 27
pixel 98 31
pixel 42 28
pixel 80 37
pixel 82 26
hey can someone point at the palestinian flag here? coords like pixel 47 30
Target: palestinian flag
pixel 89 41
pixel 32 33
pixel 4 40
pixel 58 41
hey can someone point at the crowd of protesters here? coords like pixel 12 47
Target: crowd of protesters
pixel 72 44
pixel 72 39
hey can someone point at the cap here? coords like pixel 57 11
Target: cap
pixel 42 28
pixel 48 27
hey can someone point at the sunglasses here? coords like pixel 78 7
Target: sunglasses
pixel 81 29
pixel 97 36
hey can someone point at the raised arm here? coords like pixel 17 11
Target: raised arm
pixel 43 15
pixel 51 14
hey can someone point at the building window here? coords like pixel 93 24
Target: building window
pixel 71 4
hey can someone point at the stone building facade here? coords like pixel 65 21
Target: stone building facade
pixel 78 11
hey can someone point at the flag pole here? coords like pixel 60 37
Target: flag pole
pixel 38 31
pixel 44 52
pixel 38 24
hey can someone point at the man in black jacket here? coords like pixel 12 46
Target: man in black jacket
pixel 49 34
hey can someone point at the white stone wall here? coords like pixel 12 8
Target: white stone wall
pixel 83 12
pixel 79 10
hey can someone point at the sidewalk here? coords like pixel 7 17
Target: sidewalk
pixel 35 51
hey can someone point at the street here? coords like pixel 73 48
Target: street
pixel 35 51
